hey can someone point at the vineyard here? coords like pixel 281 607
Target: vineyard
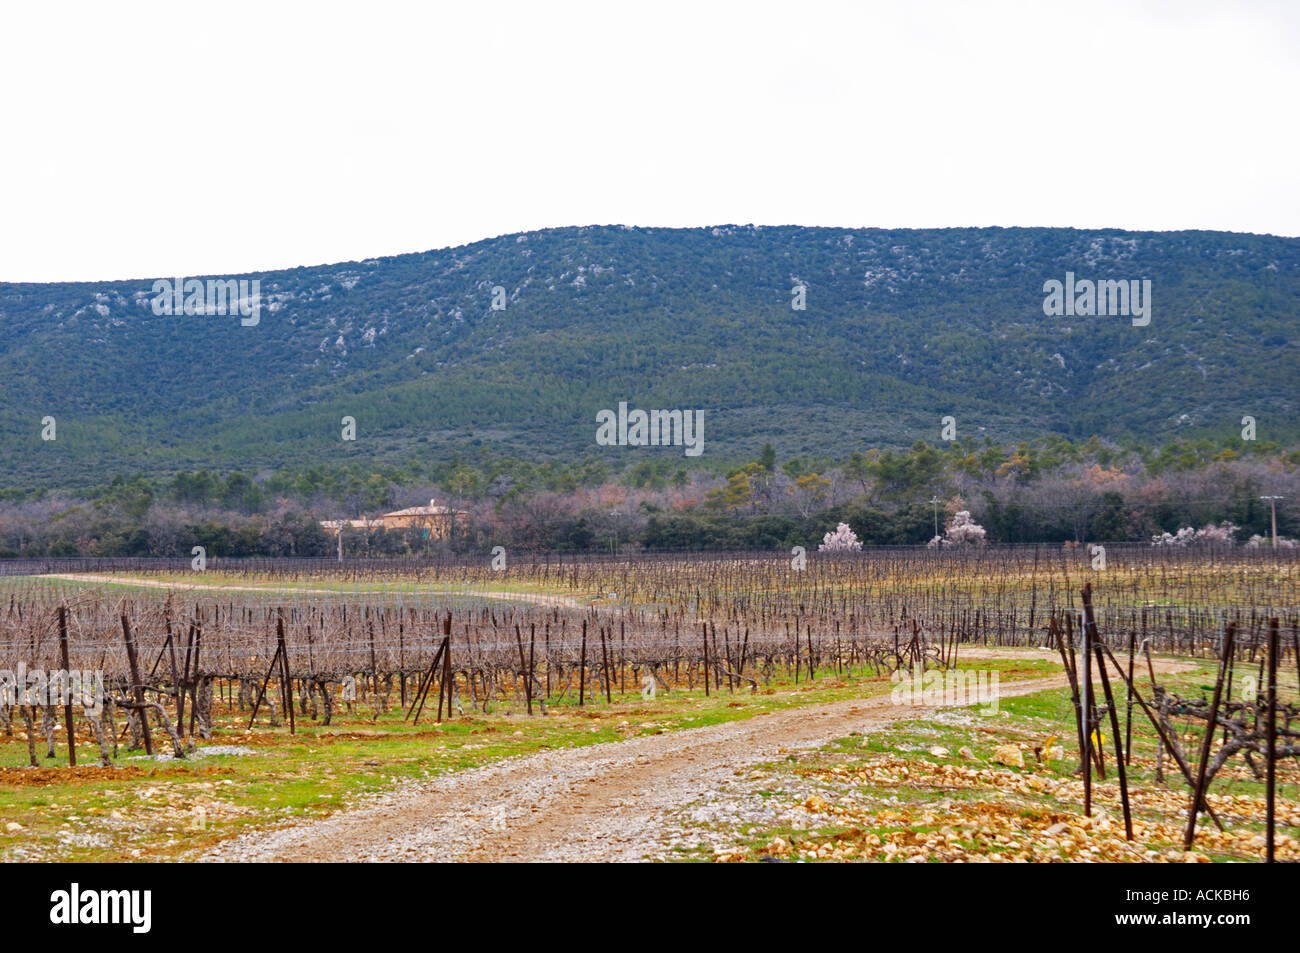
pixel 178 658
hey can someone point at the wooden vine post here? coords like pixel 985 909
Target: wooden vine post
pixel 1090 628
pixel 1270 782
pixel 1198 791
pixel 136 687
pixel 67 686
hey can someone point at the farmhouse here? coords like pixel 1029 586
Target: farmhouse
pixel 433 520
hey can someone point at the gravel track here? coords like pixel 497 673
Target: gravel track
pixel 604 802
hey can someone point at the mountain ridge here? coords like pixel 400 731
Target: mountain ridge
pixel 901 327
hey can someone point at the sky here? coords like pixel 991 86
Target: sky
pixel 142 140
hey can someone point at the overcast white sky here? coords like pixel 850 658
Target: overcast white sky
pixel 143 140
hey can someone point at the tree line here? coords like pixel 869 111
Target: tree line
pixel 1051 490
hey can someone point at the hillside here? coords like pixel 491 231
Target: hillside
pixel 901 327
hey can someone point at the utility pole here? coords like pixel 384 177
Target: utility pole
pixel 935 501
pixel 1272 505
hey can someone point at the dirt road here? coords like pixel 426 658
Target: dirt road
pixel 606 802
pixel 538 598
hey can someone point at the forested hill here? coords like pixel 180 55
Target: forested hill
pixel 901 327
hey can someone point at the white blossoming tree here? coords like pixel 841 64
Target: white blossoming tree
pixel 962 528
pixel 843 540
pixel 1218 535
pixel 1211 534
pixel 1266 542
